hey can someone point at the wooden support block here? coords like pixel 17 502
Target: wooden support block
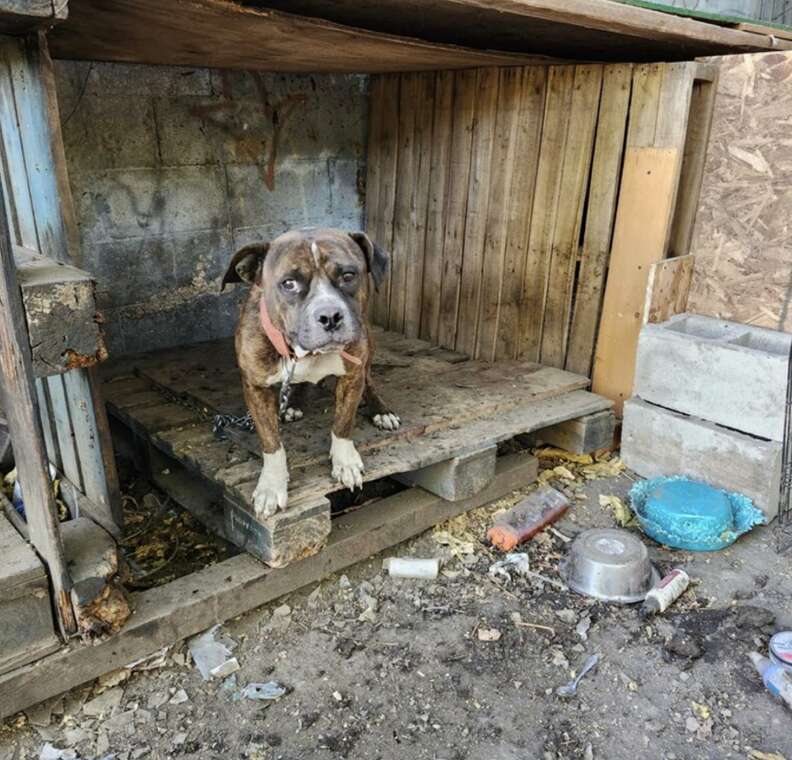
pixel 26 627
pixel 296 533
pixel 583 435
pixel 457 478
pixel 62 318
pixel 92 559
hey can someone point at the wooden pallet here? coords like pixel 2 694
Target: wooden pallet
pixel 450 408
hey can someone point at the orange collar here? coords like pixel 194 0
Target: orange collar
pixel 278 340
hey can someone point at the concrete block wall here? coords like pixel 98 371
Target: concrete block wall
pixel 173 169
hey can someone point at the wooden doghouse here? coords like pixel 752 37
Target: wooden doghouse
pixel 525 198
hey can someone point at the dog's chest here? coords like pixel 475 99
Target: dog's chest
pixel 309 369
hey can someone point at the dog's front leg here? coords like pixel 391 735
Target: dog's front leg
pixel 273 483
pixel 347 464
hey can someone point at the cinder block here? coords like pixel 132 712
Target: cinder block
pixel 731 374
pixel 583 435
pixel 455 479
pixel 658 442
pixel 287 536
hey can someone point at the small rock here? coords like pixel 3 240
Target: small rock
pixel 120 721
pixel 179 738
pixel 489 634
pixel 281 612
pixel 142 716
pixel 337 694
pixel 684 645
pixel 105 703
pixel 344 583
pixel 683 676
pixel 41 714
pixel 72 736
pixel 692 725
pixel 368 616
pixel 102 744
pixel 582 628
pixel 566 616
pixel 180 697
pixel 157 699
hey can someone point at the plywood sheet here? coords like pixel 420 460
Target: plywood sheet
pixel 742 237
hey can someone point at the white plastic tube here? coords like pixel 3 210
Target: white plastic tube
pixel 409 567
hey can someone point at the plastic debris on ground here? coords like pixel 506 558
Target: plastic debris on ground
pixel 527 518
pixel 212 656
pixel 411 567
pixel 48 752
pixel 686 514
pixel 516 563
pixel 269 691
pixel 570 689
pixel 775 677
pixel 665 593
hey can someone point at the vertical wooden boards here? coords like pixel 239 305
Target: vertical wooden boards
pixel 385 100
pixel 603 193
pixel 560 84
pixel 406 190
pixel 436 210
pixel 667 289
pixel 520 205
pixel 374 224
pixel 563 253
pixel 63 429
pixel 504 160
pixel 659 109
pixel 465 96
pixel 481 171
pixel 422 146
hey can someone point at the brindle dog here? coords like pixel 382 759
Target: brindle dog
pixel 305 316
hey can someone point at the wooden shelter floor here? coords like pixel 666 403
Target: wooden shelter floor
pixel 448 406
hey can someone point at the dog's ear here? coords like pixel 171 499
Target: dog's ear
pixel 245 265
pixel 376 257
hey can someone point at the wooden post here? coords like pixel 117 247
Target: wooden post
pixel 21 405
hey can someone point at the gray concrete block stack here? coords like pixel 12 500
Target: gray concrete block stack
pixel 708 402
pixel 172 169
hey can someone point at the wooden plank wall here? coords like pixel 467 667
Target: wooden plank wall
pixel 524 207
pixel 492 188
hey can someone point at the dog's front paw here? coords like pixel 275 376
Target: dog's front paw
pixel 386 421
pixel 291 414
pixel 347 464
pixel 273 485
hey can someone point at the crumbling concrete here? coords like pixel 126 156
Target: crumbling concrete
pixel 657 441
pixel 730 374
pixel 172 169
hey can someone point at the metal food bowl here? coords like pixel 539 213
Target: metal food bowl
pixel 609 564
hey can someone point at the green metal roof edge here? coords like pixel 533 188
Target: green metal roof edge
pixel 705 15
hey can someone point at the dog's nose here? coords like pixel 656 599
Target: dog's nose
pixel 330 319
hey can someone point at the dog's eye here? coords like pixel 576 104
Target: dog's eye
pixel 289 285
pixel 348 277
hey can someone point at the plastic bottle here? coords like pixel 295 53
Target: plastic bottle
pixel 665 593
pixel 523 521
pixel 775 678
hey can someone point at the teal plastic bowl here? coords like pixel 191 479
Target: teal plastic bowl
pixel 687 514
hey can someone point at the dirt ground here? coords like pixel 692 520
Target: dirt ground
pixel 464 667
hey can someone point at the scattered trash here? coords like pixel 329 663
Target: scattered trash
pixel 609 564
pixel 621 512
pixel 774 676
pixel 755 754
pixel 519 564
pixel 211 656
pixel 781 650
pixel 524 520
pixel 489 634
pixel 686 514
pixel 152 661
pixel 570 689
pixel 48 752
pixel 410 567
pixel 269 691
pixel 665 593
pixel 568 456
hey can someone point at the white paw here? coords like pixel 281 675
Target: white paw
pixel 292 415
pixel 273 484
pixel 387 421
pixel 347 464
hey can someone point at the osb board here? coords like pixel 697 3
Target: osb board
pixel 667 289
pixel 447 407
pixel 742 238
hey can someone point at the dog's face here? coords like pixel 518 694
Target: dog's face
pixel 315 283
